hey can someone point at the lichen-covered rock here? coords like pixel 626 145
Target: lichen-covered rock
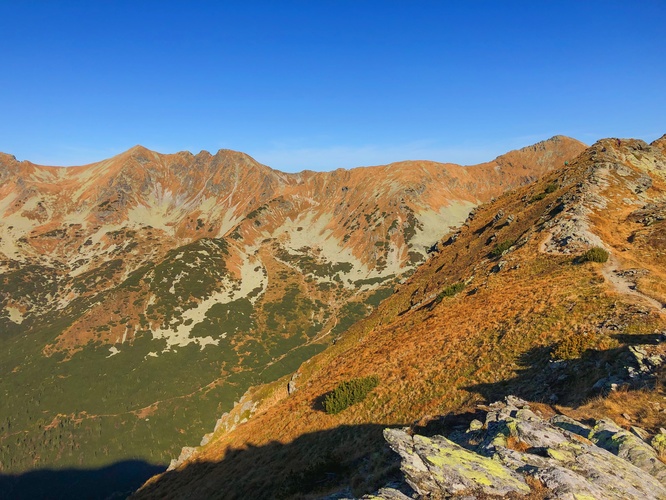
pixel 437 465
pixel 475 425
pixel 659 443
pixel 574 461
pixel 562 482
pixel 627 446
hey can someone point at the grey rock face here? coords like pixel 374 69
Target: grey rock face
pixel 438 465
pixel 185 453
pixel 573 460
pixel 629 447
pixel 291 386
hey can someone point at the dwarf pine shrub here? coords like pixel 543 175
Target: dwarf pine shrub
pixel 452 290
pixel 596 254
pixel 501 248
pixel 550 188
pixel 349 393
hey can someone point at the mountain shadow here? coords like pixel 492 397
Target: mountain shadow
pixel 311 466
pixel 573 380
pixel 116 481
pixel 354 460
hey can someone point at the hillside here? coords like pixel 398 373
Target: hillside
pixel 508 305
pixel 144 294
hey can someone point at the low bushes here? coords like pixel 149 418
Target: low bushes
pixel 349 393
pixel 550 188
pixel 452 290
pixel 596 254
pixel 501 248
pixel 575 345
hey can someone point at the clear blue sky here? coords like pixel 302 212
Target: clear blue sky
pixel 325 84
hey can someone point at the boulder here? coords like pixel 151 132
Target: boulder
pixel 437 465
pixel 517 447
pixel 607 435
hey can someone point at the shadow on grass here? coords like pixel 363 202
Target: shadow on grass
pixel 318 402
pixel 115 481
pixel 311 466
pixel 570 382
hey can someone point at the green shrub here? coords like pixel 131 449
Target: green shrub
pixel 349 393
pixel 452 290
pixel 596 254
pixel 501 248
pixel 550 188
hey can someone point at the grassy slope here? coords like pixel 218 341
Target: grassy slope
pixel 436 357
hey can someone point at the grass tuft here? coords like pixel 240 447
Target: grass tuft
pixel 452 290
pixel 501 248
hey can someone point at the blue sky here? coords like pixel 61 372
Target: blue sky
pixel 326 84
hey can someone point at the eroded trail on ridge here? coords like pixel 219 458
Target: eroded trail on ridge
pixel 613 274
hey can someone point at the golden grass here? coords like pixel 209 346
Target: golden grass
pixel 645 408
pixel 513 443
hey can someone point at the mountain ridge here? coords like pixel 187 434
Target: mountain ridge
pixel 138 148
pixel 142 295
pixel 533 318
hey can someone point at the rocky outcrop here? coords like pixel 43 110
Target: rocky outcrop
pixel 185 453
pixel 516 447
pixel 439 465
pixel 240 413
pixel 291 386
pixel 639 366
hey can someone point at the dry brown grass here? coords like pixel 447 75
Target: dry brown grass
pixel 539 490
pixel 645 408
pixel 513 443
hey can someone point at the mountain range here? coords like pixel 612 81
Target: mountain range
pixel 143 295
pixel 553 292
